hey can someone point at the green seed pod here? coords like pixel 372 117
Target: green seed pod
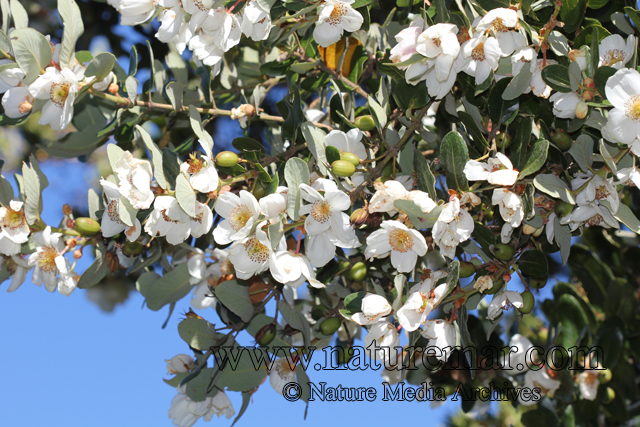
pixel 318 311
pixel 87 226
pixel 365 123
pixel 538 282
pixel 528 302
pixel 330 325
pixel 497 285
pixel 227 159
pixel 563 209
pixel 345 354
pixel 266 334
pixel 503 140
pixel 132 248
pixel 608 398
pixel 605 376
pixel 503 252
pixel 350 157
pixel 561 139
pixel 358 272
pixel 467 269
pixel 259 192
pixel 343 168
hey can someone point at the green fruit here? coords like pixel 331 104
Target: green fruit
pixel 365 123
pixel 358 272
pixel 259 192
pixel 227 159
pixel 605 376
pixel 266 334
pixel 467 269
pixel 488 214
pixel 318 311
pixel 561 139
pixel 330 325
pixel 527 302
pixel 563 209
pixel 538 282
pixel 503 140
pixel 132 248
pixel 497 285
pixel 87 226
pixel 343 168
pixel 608 398
pixel 345 354
pixel 503 252
pixel 350 157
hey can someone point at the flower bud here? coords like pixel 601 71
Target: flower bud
pixel 503 252
pixel 358 272
pixel 330 326
pixel 503 140
pixel 181 363
pixel 66 209
pixel 227 159
pixel 343 168
pixel 582 109
pixel 359 217
pixel 374 220
pixel 132 248
pixel 608 398
pixel 266 334
pixel 365 123
pixel 561 139
pixel 589 83
pixel 605 376
pixel 538 282
pixel 350 157
pixel 467 269
pixel 113 88
pixel 25 107
pixel 87 226
pixel 77 254
pixel 528 302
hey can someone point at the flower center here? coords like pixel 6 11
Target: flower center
pixel 256 251
pixel 602 192
pixel 478 52
pixel 594 220
pixel 436 42
pixel 59 93
pixel 339 10
pixel 632 107
pixel 9 264
pixel 167 218
pixel 112 211
pixel 195 165
pixel 400 240
pixel 239 217
pixel 612 56
pixel 321 211
pixel 499 26
pixel 47 259
pixel 13 219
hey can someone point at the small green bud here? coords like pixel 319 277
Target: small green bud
pixel 503 140
pixel 350 157
pixel 563 209
pixel 503 252
pixel 330 325
pixel 528 302
pixel 87 226
pixel 132 248
pixel 227 159
pixel 608 398
pixel 605 376
pixel 561 139
pixel 538 282
pixel 365 123
pixel 343 168
pixel 266 334
pixel 358 272
pixel 467 269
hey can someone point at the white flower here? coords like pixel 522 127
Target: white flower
pixel 538 85
pixel 253 255
pixel 503 300
pixel 293 270
pixel 407 40
pixel 381 343
pixel 17 267
pixel 206 49
pixel 14 229
pixel 48 259
pixel 403 244
pixel 440 44
pixel 136 12
pixel 10 77
pixel 614 52
pixel 484 283
pixel 135 177
pixel 202 296
pixel 179 363
pixel 579 56
pixel 281 374
pixel 439 88
pixel 518 359
pixel 598 188
pixel 565 105
pixel 423 298
pixel 335 17
pixel 502 21
pixel 454 225
pixel 170 19
pixel 59 88
pixel 374 309
pixel 240 214
pixel 275 204
pixel 442 335
pixel 199 11
pixel 478 57
pixel 224 27
pixel 202 173
pixel 349 142
pixel 524 57
pixel 17 102
pixel 184 412
pixel 497 170
pixel 589 215
pixel 588 383
pixel 323 212
pixel 386 194
pixel 111 223
pixel 422 200
pixel 541 380
pixel 169 220
pixel 511 210
pixel 623 91
pixel 629 176
pixel 256 22
pixel 202 222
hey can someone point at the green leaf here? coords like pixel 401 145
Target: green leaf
pixel 628 218
pixel 100 66
pixel 198 333
pixel 73 29
pixel 296 172
pixel 160 291
pixel 539 417
pixel 236 298
pixel 246 399
pixel 93 201
pixel 175 93
pixel 32 52
pixel 582 151
pixel 196 125
pixel 610 338
pixel 473 128
pixel 518 84
pixel 32 193
pixel 557 77
pixel 156 156
pixel 19 15
pixel 6 18
pixel 533 263
pixel 5 43
pixel 607 157
pixel 133 61
pixel 572 12
pixel 131 87
pixel 186 195
pixel 114 153
pixel 408 96
pixel 442 11
pixel 97 270
pixel 453 274
pixel 601 77
pixel 332 154
pixel 419 219
pixel 296 320
pixel 634 15
pixel 197 386
pixel 244 377
pixel 562 236
pixel 500 110
pixel 425 178
pixel 594 275
pixel 316 142
pixel 521 143
pixel 378 113
pixel 536 158
pixel 6 191
pixel 554 186
pixel 454 155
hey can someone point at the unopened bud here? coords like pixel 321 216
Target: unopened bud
pixel 359 217
pixel 25 107
pixel 561 139
pixel 66 209
pixel 266 334
pixel 132 248
pixel 374 220
pixel 529 229
pixel 77 254
pixel 113 88
pixel 87 226
pixel 589 83
pixel 587 95
pixel 582 109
